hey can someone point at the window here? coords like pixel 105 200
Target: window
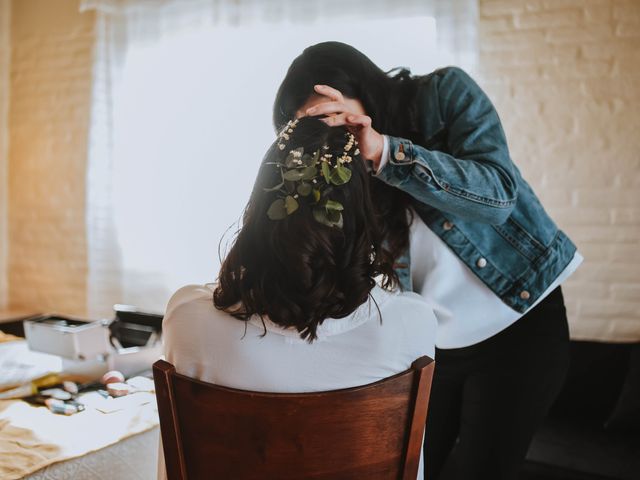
pixel 191 122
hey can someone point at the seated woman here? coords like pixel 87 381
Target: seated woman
pixel 305 300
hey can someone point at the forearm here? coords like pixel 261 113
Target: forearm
pixel 469 171
pixel 477 187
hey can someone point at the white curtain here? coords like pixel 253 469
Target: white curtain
pixel 181 116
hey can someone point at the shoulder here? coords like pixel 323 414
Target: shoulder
pixel 449 82
pixel 448 77
pixel 451 92
pixel 412 314
pixel 412 307
pixel 187 302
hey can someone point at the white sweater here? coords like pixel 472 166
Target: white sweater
pixel 210 345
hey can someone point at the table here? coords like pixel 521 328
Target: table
pixel 111 439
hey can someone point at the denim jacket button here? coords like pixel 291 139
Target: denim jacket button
pixel 447 225
pixel 482 262
pixel 399 156
pixel 524 295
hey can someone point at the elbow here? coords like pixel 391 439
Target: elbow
pixel 495 206
pixel 507 198
pixel 498 216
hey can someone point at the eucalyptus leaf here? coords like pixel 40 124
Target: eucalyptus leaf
pixel 307 160
pixel 326 173
pixel 304 189
pixel 293 175
pixel 330 218
pixel 289 161
pixel 333 205
pixel 277 210
pixel 309 173
pixel 291 204
pixel 340 175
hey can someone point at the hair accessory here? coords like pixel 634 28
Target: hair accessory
pixel 312 176
pixel 283 136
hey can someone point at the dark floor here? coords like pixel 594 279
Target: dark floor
pixel 533 471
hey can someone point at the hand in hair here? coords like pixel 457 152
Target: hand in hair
pixel 341 114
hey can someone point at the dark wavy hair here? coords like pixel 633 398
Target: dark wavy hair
pixel 387 97
pixel 297 271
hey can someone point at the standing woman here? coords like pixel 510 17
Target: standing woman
pixel 468 233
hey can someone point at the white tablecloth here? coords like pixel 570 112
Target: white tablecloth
pixel 134 458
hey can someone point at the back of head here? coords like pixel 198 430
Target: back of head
pixel 389 99
pixel 310 245
pixel 350 71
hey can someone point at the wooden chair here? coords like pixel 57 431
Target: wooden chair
pixel 370 432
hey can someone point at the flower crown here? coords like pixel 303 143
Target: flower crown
pixel 301 172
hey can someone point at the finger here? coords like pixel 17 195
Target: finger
pixel 335 120
pixel 359 120
pixel 326 108
pixel 330 92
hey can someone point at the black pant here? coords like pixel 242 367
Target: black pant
pixel 492 396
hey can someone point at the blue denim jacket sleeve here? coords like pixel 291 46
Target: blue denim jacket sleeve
pixel 471 173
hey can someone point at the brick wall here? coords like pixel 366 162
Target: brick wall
pixel 49 116
pixel 5 58
pixel 565 77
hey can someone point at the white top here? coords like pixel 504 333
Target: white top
pixel 210 345
pixel 468 311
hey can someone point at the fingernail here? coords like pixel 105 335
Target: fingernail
pixel 319 86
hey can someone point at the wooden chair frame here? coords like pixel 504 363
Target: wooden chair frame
pixel 165 375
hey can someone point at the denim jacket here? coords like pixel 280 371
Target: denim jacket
pixel 468 192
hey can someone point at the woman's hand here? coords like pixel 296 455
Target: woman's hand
pixel 344 112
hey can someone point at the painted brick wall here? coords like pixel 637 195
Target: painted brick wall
pixel 565 77
pixel 49 116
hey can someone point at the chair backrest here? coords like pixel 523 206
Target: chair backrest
pixel 374 431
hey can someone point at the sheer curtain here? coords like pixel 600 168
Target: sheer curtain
pixel 181 117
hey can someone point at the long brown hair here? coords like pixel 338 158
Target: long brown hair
pixel 297 271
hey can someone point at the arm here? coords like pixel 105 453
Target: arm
pixel 476 180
